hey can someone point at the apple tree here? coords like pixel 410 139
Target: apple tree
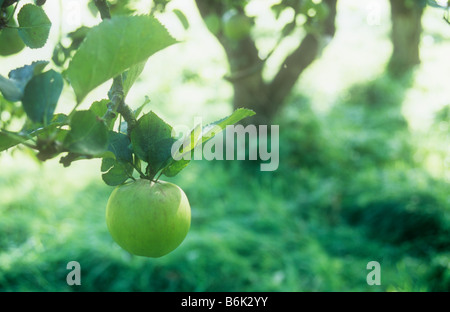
pixel 311 22
pixel 406 20
pixel 132 146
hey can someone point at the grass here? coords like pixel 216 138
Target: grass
pixel 267 232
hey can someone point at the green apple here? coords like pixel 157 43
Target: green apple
pixel 148 218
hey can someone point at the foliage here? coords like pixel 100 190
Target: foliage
pixel 117 49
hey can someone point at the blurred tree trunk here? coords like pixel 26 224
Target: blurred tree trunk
pixel 246 67
pixel 406 17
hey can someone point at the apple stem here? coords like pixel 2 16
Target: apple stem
pixel 159 176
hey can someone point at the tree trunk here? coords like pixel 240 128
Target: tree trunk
pixel 267 99
pixel 406 17
pixel 250 89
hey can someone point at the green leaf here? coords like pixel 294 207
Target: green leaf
pixel 8 140
pixel 112 47
pixel 131 76
pixel 208 132
pixel 10 41
pixel 115 172
pixel 199 136
pixel 25 73
pixel 138 111
pixel 152 141
pixel 107 163
pixel 31 130
pixel 239 114
pixel 34 26
pixel 175 167
pixel 41 96
pixel 10 90
pixel 88 134
pixel 77 37
pixel 14 87
pixel 99 108
pixel 183 20
pixel 120 144
pixel 118 173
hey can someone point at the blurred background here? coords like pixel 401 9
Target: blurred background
pixel 360 91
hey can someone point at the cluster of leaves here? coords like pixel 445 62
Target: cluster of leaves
pixel 313 13
pixel 298 6
pixel 32 30
pixel 117 49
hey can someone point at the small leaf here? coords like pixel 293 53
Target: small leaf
pixel 120 144
pixel 183 19
pixel 88 134
pixel 208 132
pixel 41 96
pixel 112 47
pixel 131 75
pixel 13 88
pixel 152 141
pixel 199 136
pixel 10 90
pixel 77 37
pixel 107 163
pixel 34 26
pixel 99 108
pixel 175 167
pixel 25 73
pixel 118 173
pixel 8 140
pixel 10 41
pixel 235 117
pixel 138 111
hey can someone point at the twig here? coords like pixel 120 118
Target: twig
pixel 116 93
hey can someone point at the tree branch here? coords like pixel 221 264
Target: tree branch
pixel 243 56
pixel 116 93
pixel 116 96
pixel 307 51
